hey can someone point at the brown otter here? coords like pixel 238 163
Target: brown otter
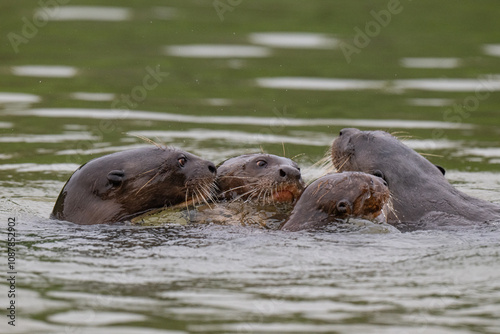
pixel 422 197
pixel 120 186
pixel 254 190
pixel 337 197
pixel 266 178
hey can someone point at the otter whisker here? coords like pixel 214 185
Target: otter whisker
pixel 239 187
pixel 346 160
pixel 145 184
pixel 241 196
pixel 147 140
pixel 147 172
pixel 204 194
pixel 297 155
pixel 236 177
pixel 186 199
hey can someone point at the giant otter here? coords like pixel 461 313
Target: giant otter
pixel 421 195
pixel 120 186
pixel 264 178
pixel 253 190
pixel 336 197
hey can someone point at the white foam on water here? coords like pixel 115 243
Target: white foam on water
pixel 19 98
pixel 44 71
pixel 86 13
pixel 217 51
pixel 298 40
pixel 430 62
pixel 271 122
pixel 92 96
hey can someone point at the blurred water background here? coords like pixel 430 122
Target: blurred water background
pixel 80 79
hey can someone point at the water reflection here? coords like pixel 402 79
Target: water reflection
pixel 429 102
pixel 44 71
pixel 92 96
pixel 299 40
pixel 430 62
pixel 234 136
pixel 489 83
pixel 86 13
pixel 19 98
pixel 221 120
pixel 318 83
pixel 49 138
pixel 492 50
pixel 217 51
pixel 32 167
pixel 6 125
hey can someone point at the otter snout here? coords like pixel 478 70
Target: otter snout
pixel 289 173
pixel 211 168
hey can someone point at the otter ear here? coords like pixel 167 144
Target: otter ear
pixel 344 206
pixel 441 169
pixel 115 177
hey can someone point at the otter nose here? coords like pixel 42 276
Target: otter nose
pixel 212 168
pixel 290 172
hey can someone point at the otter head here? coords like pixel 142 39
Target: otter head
pixel 264 177
pixel 379 153
pixel 122 185
pixel 337 197
pixel 407 173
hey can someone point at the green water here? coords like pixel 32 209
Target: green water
pixel 156 280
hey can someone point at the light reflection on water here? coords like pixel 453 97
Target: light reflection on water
pixel 86 13
pixel 237 120
pixel 489 83
pixel 217 51
pixel 300 40
pixel 44 71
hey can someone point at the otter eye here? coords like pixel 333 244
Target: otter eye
pixel 182 161
pixel 261 163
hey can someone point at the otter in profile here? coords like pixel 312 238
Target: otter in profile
pixel 264 178
pixel 336 197
pixel 254 190
pixel 120 186
pixel 421 195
